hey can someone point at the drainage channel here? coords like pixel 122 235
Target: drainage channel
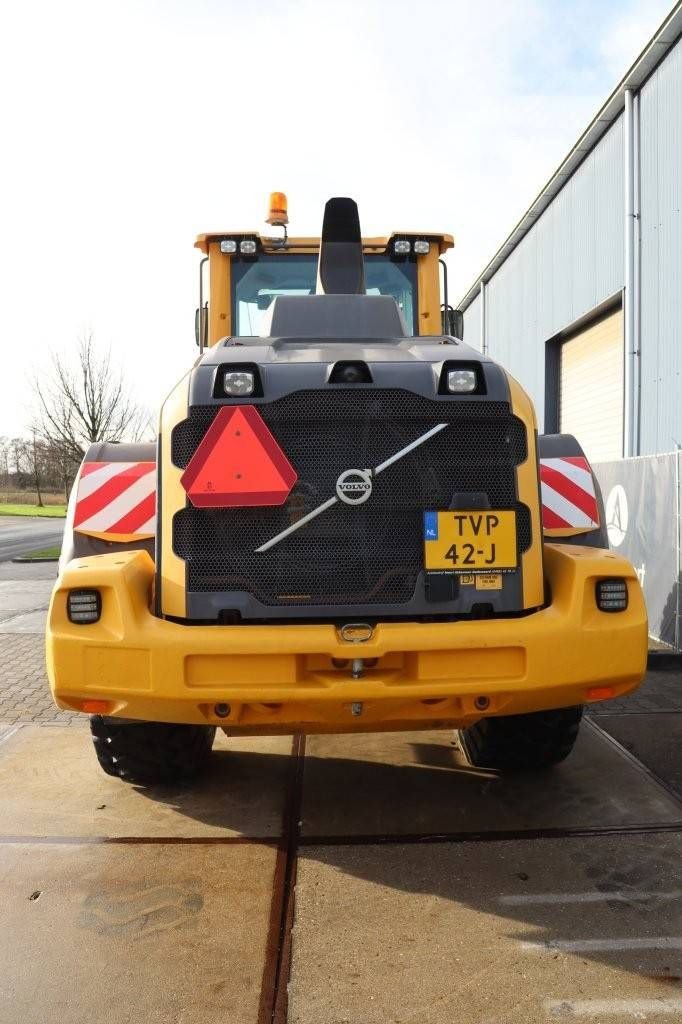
pixel 273 1003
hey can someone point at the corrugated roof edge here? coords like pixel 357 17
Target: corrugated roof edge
pixel 651 56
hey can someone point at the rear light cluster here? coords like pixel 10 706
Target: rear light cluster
pixel 84 606
pixel 612 595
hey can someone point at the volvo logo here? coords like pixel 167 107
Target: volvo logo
pixel 354 486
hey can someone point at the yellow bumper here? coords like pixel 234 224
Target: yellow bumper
pixel 287 678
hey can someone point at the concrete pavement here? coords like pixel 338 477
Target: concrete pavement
pixel 513 932
pixel 119 934
pixel 21 534
pixel 177 899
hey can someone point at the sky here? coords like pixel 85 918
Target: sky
pixel 130 127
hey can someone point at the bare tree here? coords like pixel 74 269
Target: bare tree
pixel 5 447
pixel 35 454
pixel 81 404
pixel 20 459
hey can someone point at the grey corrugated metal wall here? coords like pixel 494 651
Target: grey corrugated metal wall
pixel 570 261
pixel 661 260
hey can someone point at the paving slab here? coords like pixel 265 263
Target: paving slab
pixel 22 597
pixel 489 933
pixel 160 934
pixel 51 785
pixel 404 783
pixel 25 595
pixel 654 739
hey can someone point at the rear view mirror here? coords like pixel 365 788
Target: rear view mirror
pixel 201 325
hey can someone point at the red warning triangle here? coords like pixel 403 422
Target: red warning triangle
pixel 238 463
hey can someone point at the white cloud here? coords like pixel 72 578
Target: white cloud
pixel 131 127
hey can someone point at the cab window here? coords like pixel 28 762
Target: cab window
pixel 256 284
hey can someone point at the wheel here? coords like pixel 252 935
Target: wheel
pixel 151 752
pixel 523 742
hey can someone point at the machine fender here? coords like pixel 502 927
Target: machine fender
pixel 112 505
pixel 572 505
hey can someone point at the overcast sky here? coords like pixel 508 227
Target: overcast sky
pixel 127 128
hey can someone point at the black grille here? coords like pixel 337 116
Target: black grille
pixel 368 554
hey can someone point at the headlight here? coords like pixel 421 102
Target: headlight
pixel 421 247
pixel 612 595
pixel 238 382
pixel 228 245
pixel 402 247
pixel 247 247
pixel 462 382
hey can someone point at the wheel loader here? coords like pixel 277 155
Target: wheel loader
pixel 348 522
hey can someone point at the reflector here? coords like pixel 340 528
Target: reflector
pixel 599 692
pixel 96 707
pixel 238 463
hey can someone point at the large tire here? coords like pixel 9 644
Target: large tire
pixel 523 742
pixel 151 752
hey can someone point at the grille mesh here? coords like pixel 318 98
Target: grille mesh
pixel 368 554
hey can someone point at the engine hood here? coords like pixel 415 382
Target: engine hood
pixel 292 364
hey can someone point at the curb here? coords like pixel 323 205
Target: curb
pixel 32 561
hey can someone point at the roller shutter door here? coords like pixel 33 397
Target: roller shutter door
pixel 591 388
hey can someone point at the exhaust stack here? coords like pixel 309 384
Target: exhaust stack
pixel 341 267
pixel 340 309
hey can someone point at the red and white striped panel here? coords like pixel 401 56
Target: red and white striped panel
pixel 117 498
pixel 569 500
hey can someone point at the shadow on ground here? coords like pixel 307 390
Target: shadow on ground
pixel 348 799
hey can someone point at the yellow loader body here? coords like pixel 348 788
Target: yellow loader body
pixel 289 678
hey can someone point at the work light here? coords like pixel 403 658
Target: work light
pixel 402 247
pixel 247 247
pixel 228 245
pixel 462 382
pixel 238 382
pixel 612 595
pixel 84 606
pixel 421 247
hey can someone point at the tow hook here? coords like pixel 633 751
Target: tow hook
pixel 357 633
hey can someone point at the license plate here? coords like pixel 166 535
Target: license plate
pixel 470 541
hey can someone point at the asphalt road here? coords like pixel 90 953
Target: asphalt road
pixel 21 534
